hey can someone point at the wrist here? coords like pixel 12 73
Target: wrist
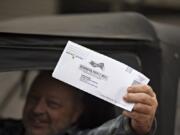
pixel 130 130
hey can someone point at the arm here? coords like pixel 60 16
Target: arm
pixel 141 121
pixel 116 126
pixel 119 126
pixel 143 113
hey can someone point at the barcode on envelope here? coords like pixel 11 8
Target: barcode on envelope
pixel 129 69
pixel 135 82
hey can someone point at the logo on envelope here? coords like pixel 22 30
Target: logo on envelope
pixel 99 65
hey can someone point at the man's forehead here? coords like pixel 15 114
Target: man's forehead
pixel 45 81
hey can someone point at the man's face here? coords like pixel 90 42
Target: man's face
pixel 50 108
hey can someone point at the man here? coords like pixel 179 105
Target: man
pixel 53 108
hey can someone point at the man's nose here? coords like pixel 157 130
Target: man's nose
pixel 40 107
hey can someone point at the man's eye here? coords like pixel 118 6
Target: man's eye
pixel 53 104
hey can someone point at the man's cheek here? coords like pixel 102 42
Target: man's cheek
pixel 59 126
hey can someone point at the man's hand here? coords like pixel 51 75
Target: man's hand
pixel 144 110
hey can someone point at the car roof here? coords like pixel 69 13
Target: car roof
pixel 37 42
pixel 103 25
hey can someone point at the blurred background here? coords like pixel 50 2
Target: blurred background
pixel 161 10
pixel 12 96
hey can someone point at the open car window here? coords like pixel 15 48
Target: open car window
pixel 14 87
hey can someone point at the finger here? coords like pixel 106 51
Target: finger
pixel 141 89
pixel 139 98
pixel 136 116
pixel 142 108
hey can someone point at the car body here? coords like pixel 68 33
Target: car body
pixel 36 43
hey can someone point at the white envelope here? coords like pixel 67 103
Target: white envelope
pixel 97 74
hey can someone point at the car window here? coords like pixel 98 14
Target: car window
pixel 14 86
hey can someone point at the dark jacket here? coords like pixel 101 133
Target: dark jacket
pixel 118 126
